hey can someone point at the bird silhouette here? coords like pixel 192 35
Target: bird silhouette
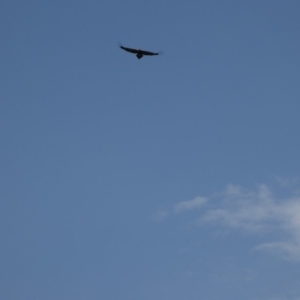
pixel 139 53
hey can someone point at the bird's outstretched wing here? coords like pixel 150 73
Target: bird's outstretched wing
pixel 144 52
pixel 129 49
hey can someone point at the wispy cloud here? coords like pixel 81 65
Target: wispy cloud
pixel 288 182
pixel 160 215
pixel 179 208
pixel 257 211
pixel 189 205
pixel 241 209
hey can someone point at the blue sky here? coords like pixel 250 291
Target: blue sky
pixel 170 177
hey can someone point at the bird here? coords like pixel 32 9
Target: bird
pixel 139 53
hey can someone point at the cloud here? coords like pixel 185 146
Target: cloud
pixel 287 182
pixel 179 208
pixel 258 211
pixel 243 210
pixel 189 205
pixel 160 215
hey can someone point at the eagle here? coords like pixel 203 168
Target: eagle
pixel 139 53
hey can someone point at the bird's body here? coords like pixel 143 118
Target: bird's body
pixel 139 53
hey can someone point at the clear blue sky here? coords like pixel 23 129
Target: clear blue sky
pixel 170 177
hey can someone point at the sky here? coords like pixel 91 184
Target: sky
pixel 169 177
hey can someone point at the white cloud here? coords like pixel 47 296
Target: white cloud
pixel 289 250
pixel 242 209
pixel 180 207
pixel 259 211
pixel 256 211
pixel 189 205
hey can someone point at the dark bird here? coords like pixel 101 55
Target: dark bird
pixel 139 53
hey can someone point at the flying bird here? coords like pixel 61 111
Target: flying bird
pixel 139 53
